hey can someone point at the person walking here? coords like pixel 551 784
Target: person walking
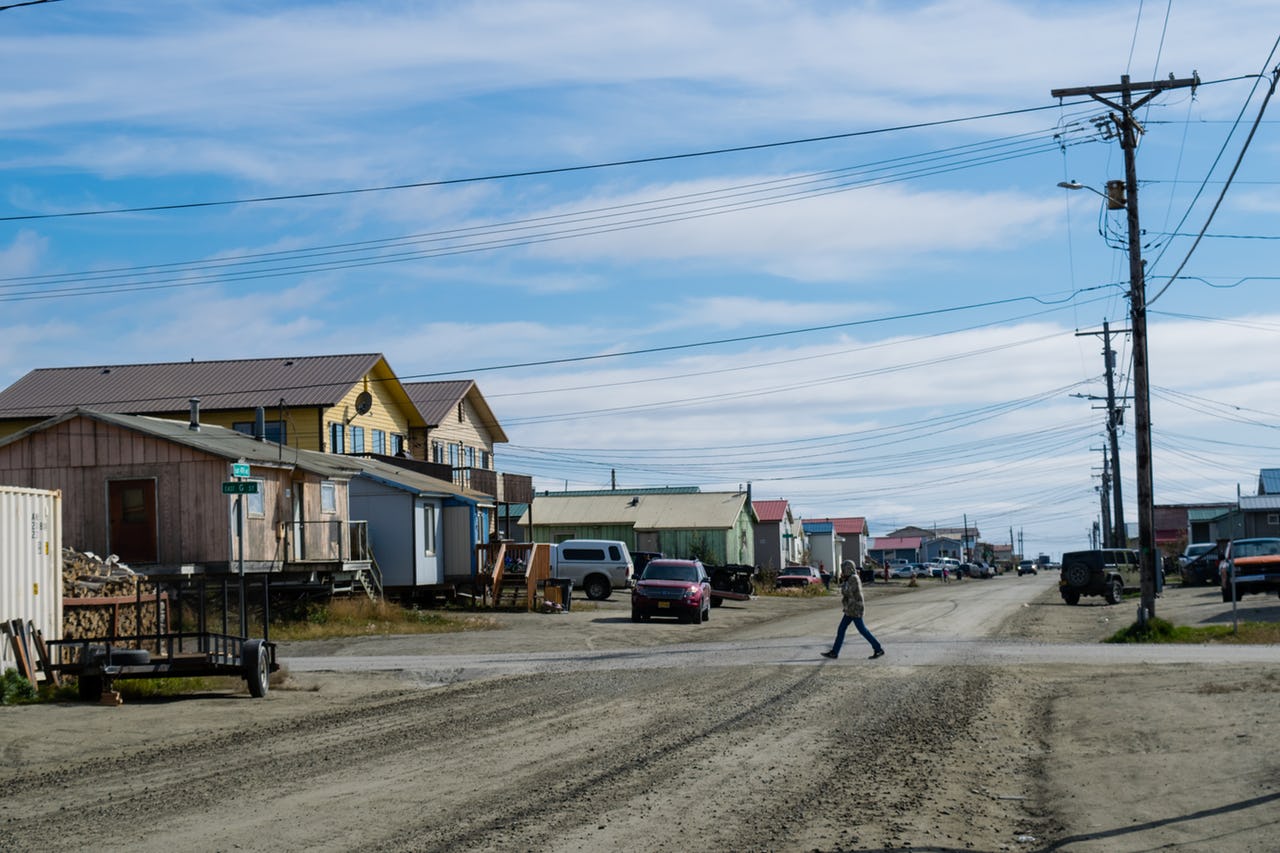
pixel 854 606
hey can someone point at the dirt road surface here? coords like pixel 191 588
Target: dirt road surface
pixel 995 722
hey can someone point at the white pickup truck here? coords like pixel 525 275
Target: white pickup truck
pixel 596 566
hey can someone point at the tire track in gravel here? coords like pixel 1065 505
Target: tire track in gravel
pixel 197 774
pixel 712 757
pixel 559 795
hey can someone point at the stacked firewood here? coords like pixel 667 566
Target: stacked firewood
pixel 99 598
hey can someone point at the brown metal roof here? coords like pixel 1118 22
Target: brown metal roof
pixel 210 439
pixel 437 400
pixel 166 387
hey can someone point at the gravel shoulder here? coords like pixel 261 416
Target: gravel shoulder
pixel 846 755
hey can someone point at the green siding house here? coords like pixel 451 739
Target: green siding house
pixel 715 527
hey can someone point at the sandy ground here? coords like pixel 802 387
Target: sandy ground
pixel 679 737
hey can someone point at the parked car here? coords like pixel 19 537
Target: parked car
pixel 677 588
pixel 951 564
pixel 799 576
pixel 1198 564
pixel 902 572
pixel 1101 571
pixel 1250 566
pixel 1027 567
pixel 980 569
pixel 596 566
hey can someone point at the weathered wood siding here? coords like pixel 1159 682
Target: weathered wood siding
pixel 80 456
pixel 194 519
pixel 740 545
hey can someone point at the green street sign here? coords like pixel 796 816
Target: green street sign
pixel 239 469
pixel 236 487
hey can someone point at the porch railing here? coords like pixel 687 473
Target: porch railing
pixel 330 541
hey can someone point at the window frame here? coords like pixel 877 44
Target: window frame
pixel 255 504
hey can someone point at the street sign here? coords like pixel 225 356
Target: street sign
pixel 239 469
pixel 236 487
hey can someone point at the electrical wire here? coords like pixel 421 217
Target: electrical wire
pixel 518 233
pixel 1239 159
pixel 528 173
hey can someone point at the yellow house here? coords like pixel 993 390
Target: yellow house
pixel 329 403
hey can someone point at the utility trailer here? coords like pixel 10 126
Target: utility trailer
pixel 196 634
pixel 732 582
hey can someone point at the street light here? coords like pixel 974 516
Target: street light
pixel 1114 196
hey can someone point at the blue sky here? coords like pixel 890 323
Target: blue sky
pixel 867 303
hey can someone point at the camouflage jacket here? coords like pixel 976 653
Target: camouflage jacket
pixel 851 596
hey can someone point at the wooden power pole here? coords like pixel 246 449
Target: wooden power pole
pixel 1129 130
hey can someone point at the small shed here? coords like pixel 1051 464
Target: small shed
pixel 421 529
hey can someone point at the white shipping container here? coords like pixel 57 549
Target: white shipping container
pixel 30 562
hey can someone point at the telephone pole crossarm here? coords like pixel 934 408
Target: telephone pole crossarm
pixel 1154 87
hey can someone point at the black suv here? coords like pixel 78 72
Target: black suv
pixel 1102 571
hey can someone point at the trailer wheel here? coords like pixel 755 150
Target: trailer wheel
pixel 257 667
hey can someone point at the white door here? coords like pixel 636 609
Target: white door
pixel 426 525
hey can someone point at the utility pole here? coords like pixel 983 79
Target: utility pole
pixel 1118 536
pixel 1105 492
pixel 1129 132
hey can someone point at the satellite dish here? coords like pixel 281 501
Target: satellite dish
pixel 364 402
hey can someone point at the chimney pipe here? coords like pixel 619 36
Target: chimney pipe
pixel 260 424
pixel 194 426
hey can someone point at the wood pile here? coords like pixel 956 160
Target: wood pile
pixel 100 598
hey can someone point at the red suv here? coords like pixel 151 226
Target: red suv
pixel 678 588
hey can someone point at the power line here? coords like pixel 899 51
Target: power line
pixel 645 351
pixel 9 6
pixel 528 173
pixel 515 233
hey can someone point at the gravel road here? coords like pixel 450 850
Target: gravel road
pixel 995 722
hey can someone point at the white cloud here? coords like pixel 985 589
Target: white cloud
pixel 845 236
pixel 23 255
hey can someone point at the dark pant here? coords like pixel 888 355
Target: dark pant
pixel 862 629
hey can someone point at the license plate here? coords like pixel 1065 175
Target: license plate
pixel 664 603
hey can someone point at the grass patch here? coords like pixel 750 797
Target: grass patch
pixel 139 689
pixel 360 617
pixel 812 590
pixel 1162 631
